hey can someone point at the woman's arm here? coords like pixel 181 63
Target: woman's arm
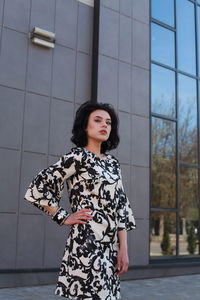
pixel 122 257
pixel 74 218
pixel 46 189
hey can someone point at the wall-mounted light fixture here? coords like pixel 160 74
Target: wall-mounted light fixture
pixel 43 37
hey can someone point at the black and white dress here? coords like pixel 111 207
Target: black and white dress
pixel 88 269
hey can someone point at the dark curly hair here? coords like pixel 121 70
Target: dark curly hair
pixel 79 137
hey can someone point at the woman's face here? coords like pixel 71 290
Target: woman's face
pixel 99 125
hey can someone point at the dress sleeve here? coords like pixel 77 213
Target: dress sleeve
pixel 47 187
pixel 126 220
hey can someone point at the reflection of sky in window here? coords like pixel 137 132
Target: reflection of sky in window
pixel 162 42
pixel 163 11
pixel 186 36
pixel 163 91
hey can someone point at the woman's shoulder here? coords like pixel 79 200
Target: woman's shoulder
pixel 73 153
pixel 76 150
pixel 84 153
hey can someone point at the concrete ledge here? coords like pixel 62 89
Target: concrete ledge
pixel 21 279
pixel 31 277
pixel 157 270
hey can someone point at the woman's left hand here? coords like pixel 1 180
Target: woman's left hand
pixel 122 261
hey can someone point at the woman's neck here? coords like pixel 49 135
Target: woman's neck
pixel 95 148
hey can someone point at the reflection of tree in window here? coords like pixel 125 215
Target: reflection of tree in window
pixel 163 163
pixel 161 106
pixel 189 211
pixel 163 233
pixel 188 130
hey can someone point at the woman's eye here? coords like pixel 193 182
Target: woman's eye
pixel 108 123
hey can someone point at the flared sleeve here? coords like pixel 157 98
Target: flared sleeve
pixel 47 187
pixel 125 217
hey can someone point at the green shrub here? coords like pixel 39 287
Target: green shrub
pixel 192 240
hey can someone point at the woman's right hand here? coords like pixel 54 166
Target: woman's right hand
pixel 79 217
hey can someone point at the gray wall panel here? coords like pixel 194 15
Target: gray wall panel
pixel 30 241
pixel 13 58
pixel 125 44
pixel 140 48
pixel 125 87
pixel 8 234
pixel 140 141
pixel 85 28
pixel 126 7
pixel 16 14
pixel 39 70
pixel 141 10
pixel 124 149
pixel 83 77
pixel 9 179
pixel 63 73
pixel 66 22
pixel 113 4
pixel 140 91
pixel 140 191
pixel 43 14
pixel 11 107
pixel 60 126
pixel 107 80
pixel 140 243
pixel 1 11
pixel 36 123
pixel 109 32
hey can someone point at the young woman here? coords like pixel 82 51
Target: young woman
pixel 96 249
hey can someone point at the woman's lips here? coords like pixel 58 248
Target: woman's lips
pixel 103 131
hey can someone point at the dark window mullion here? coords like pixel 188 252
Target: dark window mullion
pixel 177 137
pixel 162 24
pixel 163 117
pixel 164 209
pixel 198 106
pixel 174 69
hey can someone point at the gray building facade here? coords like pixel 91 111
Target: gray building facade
pixel 102 53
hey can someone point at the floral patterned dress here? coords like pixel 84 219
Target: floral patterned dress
pixel 88 269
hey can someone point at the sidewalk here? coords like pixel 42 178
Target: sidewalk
pixel 170 288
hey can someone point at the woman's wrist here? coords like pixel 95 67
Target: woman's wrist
pixel 123 247
pixel 60 216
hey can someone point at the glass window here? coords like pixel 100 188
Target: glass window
pixel 186 36
pixel 163 163
pixel 163 91
pixel 163 234
pixel 162 42
pixel 189 211
pixel 187 119
pixel 163 11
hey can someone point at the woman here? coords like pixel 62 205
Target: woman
pixel 96 249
